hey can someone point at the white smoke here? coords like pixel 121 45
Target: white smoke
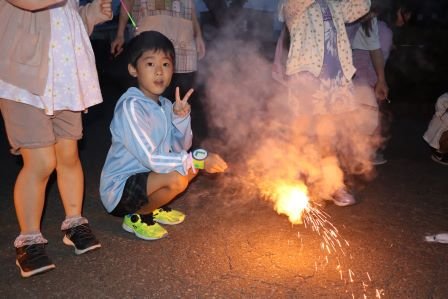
pixel 264 135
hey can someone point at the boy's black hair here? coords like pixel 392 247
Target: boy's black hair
pixel 149 41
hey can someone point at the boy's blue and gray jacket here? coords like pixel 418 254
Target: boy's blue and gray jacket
pixel 146 137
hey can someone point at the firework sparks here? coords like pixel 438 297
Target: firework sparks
pixel 379 293
pixel 292 200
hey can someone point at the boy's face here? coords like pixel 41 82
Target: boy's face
pixel 153 72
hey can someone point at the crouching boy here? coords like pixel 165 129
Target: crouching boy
pixel 148 165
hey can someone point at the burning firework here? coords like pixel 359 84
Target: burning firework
pixel 292 200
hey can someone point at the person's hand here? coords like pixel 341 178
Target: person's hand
pixel 214 163
pixel 106 8
pixel 381 90
pixel 116 47
pixel 181 107
pixel 200 47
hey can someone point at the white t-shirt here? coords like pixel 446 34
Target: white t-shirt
pixel 363 42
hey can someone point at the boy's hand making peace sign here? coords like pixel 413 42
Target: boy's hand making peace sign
pixel 181 107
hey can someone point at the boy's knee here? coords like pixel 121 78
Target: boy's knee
pixel 178 182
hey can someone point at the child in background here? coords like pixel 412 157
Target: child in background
pixel 399 14
pixel 175 19
pixel 437 133
pixel 371 42
pixel 148 165
pixel 318 75
pixel 47 78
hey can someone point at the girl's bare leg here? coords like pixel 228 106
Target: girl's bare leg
pixel 70 176
pixel 29 189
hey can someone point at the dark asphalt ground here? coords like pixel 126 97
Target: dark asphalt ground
pixel 239 247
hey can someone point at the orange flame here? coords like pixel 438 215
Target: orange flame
pixel 292 201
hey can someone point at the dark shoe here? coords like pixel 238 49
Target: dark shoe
pixel 32 260
pixel 440 158
pixel 82 238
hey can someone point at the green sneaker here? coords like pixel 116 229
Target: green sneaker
pixel 143 226
pixel 166 215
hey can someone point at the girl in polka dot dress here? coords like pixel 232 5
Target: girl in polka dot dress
pixel 318 75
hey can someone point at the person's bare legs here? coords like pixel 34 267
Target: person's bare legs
pixel 29 201
pixel 70 176
pixel 163 188
pixel 29 189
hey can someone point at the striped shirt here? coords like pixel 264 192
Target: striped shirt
pixel 173 18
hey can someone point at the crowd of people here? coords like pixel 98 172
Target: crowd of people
pixel 329 53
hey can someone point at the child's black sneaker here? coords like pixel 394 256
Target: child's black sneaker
pixel 32 260
pixel 440 158
pixel 82 238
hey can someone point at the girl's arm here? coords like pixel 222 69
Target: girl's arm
pixel 124 17
pixel 291 11
pixel 381 88
pixel 99 11
pixel 34 4
pixel 200 45
pixel 352 9
pixel 116 47
pixel 386 38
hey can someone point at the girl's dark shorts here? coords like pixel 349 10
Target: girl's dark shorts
pixel 134 195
